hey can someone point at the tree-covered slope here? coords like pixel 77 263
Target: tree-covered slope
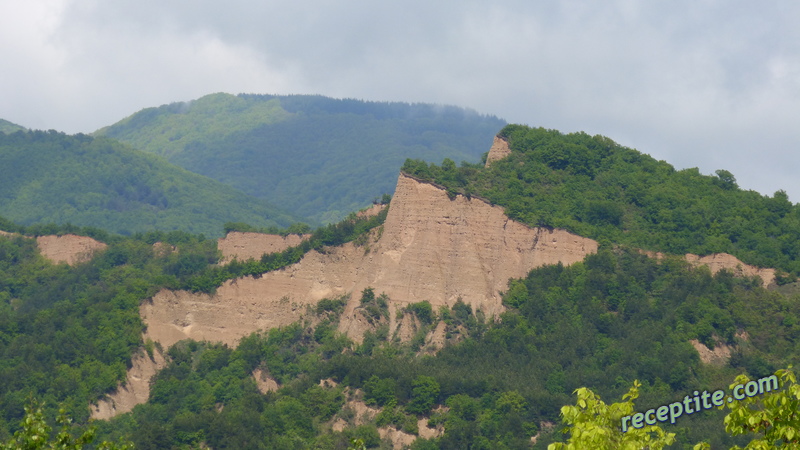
pixel 53 177
pixel 67 332
pixel 616 317
pixel 599 189
pixel 315 156
pixel 9 127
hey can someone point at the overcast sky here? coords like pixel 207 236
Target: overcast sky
pixel 708 84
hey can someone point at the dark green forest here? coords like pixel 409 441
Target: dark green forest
pixel 318 157
pixel 51 177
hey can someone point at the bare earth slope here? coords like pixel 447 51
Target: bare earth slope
pixel 136 389
pixel 69 248
pixel 244 246
pixel 498 151
pixel 431 248
pixel 719 261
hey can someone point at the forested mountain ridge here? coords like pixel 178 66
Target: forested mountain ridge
pixel 9 127
pixel 596 188
pixel 318 157
pixel 87 181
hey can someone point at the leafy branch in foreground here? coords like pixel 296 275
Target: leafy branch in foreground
pixel 774 415
pixel 36 434
pixel 593 424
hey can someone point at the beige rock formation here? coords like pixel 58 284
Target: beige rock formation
pixel 399 439
pixel 719 356
pixel 499 150
pixel 406 327
pixel 244 246
pixel 328 383
pixel 373 210
pixel 427 432
pixel 436 339
pixel 431 248
pixel 361 413
pixel 719 261
pixel 68 248
pixel 136 389
pixel 264 382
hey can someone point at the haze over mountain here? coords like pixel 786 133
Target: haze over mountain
pixel 52 177
pixel 318 157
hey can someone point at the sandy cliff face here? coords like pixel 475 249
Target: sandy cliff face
pixel 69 248
pixel 136 389
pixel 244 246
pixel 373 210
pixel 499 150
pixel 719 261
pixel 431 248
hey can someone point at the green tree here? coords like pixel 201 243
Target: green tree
pixel 774 416
pixel 425 391
pixel 593 424
pixel 36 434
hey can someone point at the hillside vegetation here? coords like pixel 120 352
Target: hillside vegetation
pixel 9 127
pixel 616 317
pixel 596 188
pixel 52 177
pixel 67 333
pixel 318 157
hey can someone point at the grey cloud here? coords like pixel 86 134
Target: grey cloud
pixel 699 83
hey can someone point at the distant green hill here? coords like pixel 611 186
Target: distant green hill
pixel 8 127
pixel 99 182
pixel 318 157
pixel 599 189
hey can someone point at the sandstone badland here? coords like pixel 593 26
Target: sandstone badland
pixel 247 245
pixel 68 248
pixel 430 248
pixel 499 150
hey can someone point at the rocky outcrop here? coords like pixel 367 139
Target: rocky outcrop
pixel 136 389
pixel 719 356
pixel 719 261
pixel 264 382
pixel 399 439
pixel 431 248
pixel 247 245
pixel 499 150
pixel 373 210
pixel 69 248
